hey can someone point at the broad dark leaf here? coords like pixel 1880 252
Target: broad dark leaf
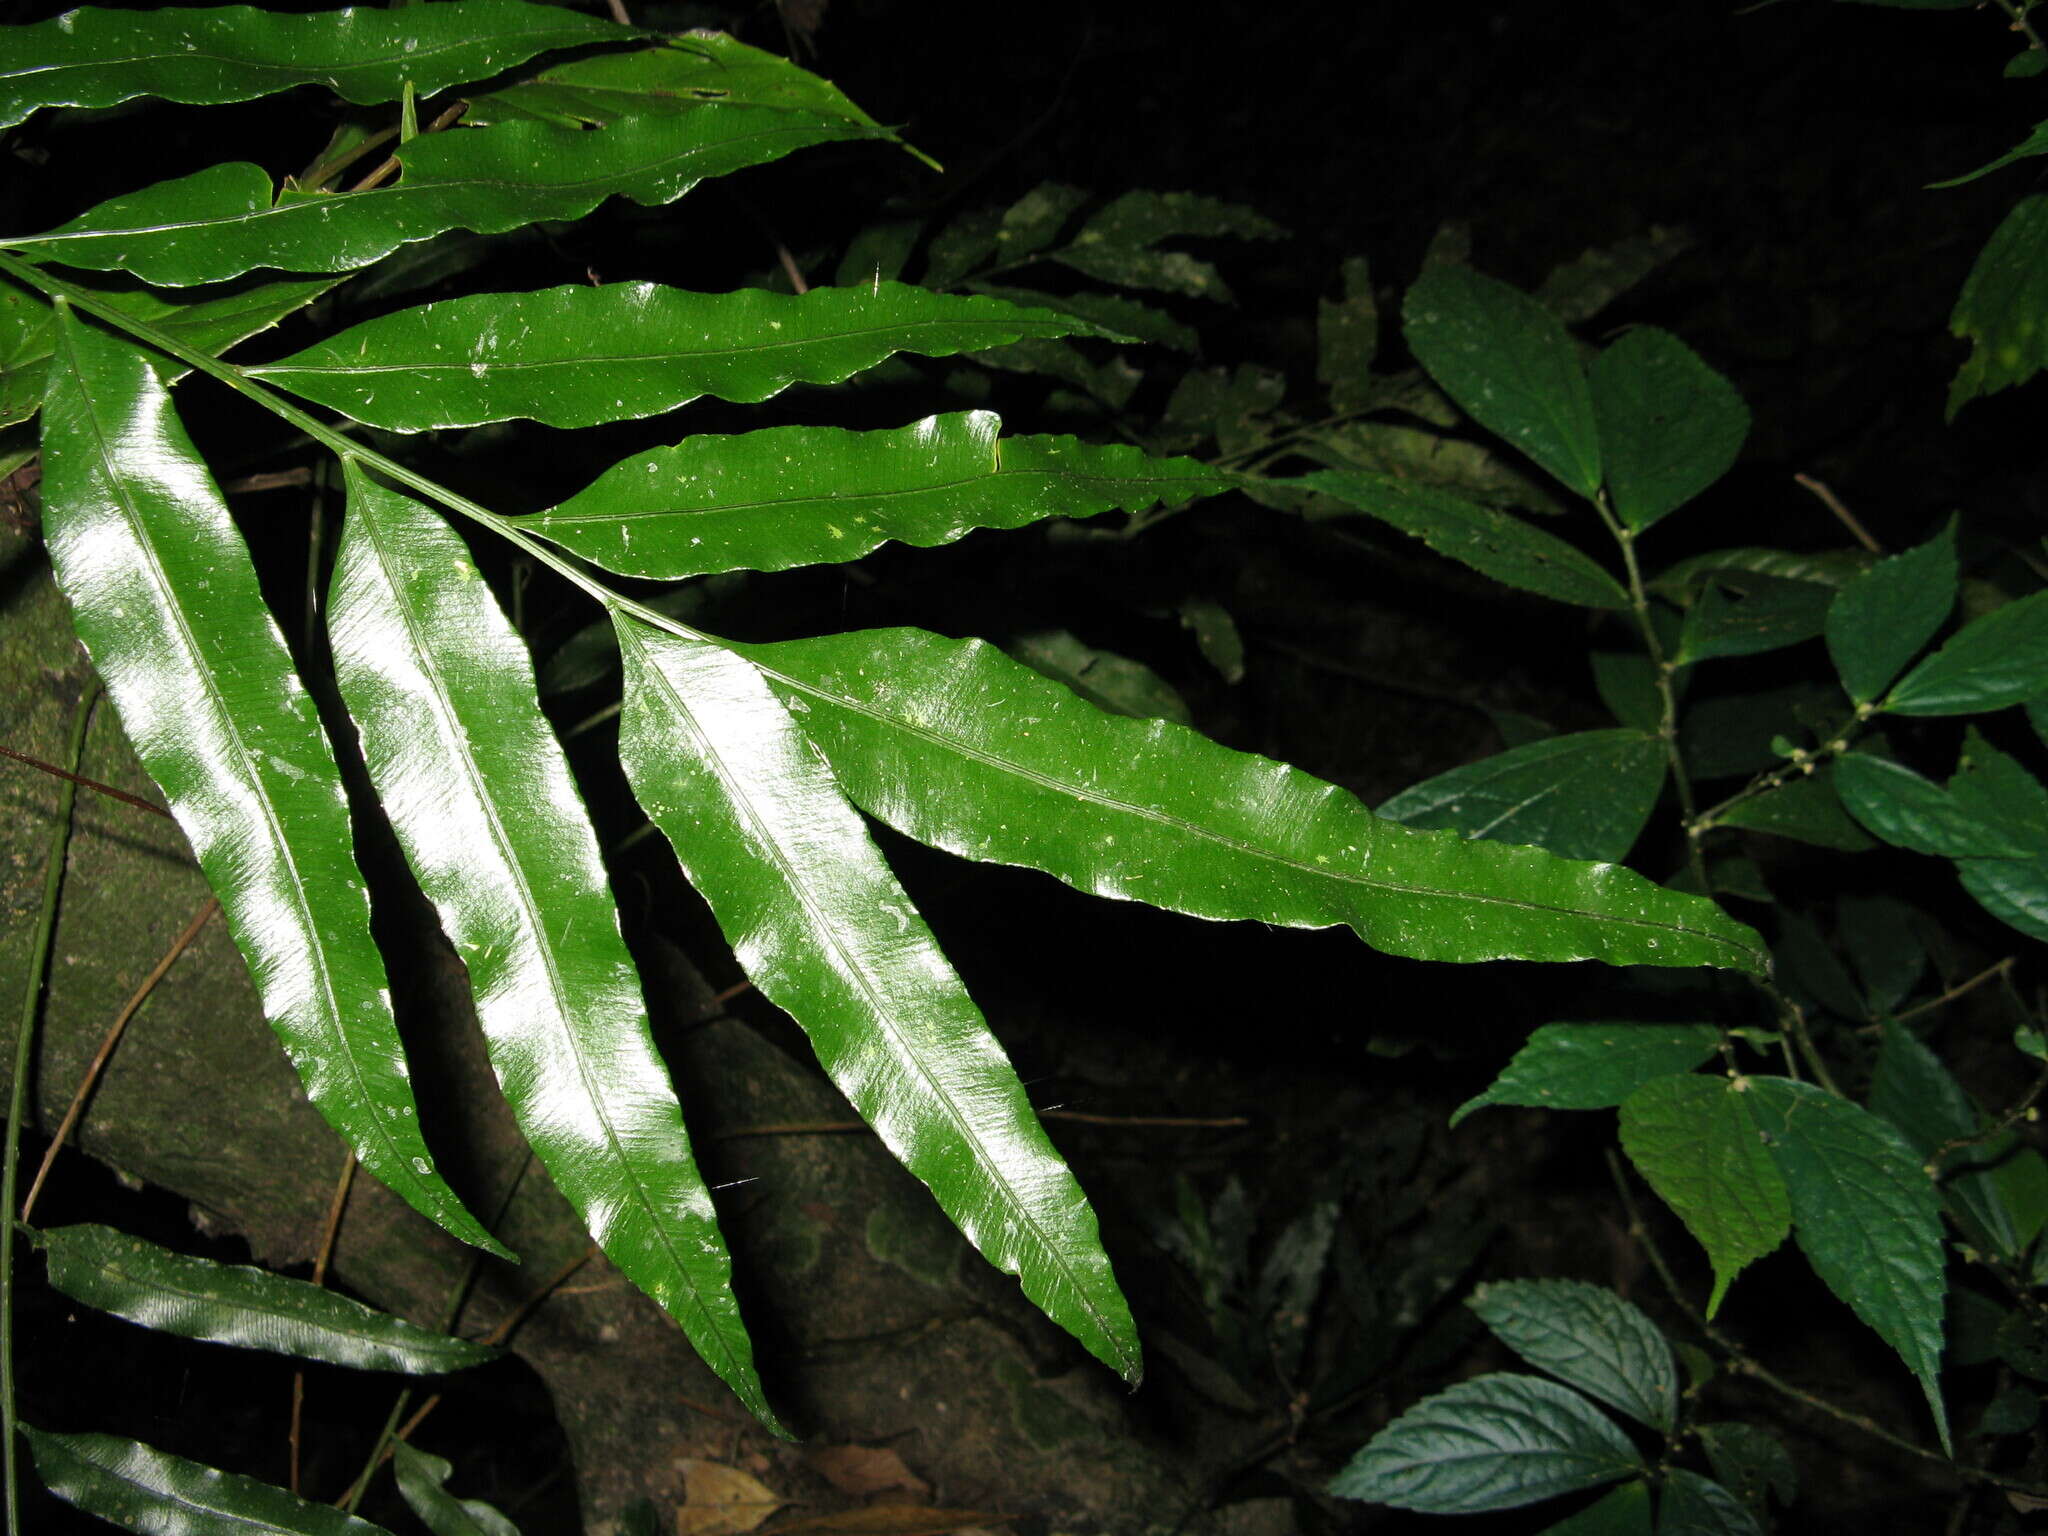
pixel 1589 1338
pixel 1670 426
pixel 1494 1442
pixel 1593 1066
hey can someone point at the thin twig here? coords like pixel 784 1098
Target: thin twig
pixel 320 1261
pixel 497 1335
pixel 389 168
pixel 1742 1363
pixel 17 1106
pixel 1848 519
pixel 272 480
pixel 1998 1127
pixel 93 784
pixel 86 1083
pixel 1956 991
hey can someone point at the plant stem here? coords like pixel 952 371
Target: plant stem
pixel 17 1100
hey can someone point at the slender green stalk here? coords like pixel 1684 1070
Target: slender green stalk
pixel 17 1100
pixel 1667 688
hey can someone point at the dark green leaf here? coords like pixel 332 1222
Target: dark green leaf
pixel 1691 1505
pixel 1752 1462
pixel 828 935
pixel 1866 1217
pixel 1162 271
pixel 1743 613
pixel 1490 541
pixel 1807 809
pixel 1997 790
pixel 682 75
pixel 1494 1442
pixel 1594 1066
pixel 877 254
pixel 1112 382
pixel 2015 1411
pixel 2000 307
pixel 788 496
pixel 1624 1511
pixel 95 57
pixel 484 806
pixel 1912 1090
pixel 1108 681
pixel 963 246
pixel 1509 363
pixel 1035 220
pixel 1284 1299
pixel 143 1489
pixel 562 355
pixel 1347 339
pixel 1987 664
pixel 1670 426
pixel 423 1483
pixel 1627 685
pixel 1579 289
pixel 213 324
pixel 1911 812
pixel 2015 891
pixel 1231 407
pixel 1216 636
pixel 1458 465
pixel 227 219
pixel 1683 581
pixel 1583 796
pixel 1812 971
pixel 165 598
pixel 1589 1338
pixel 1879 621
pixel 236 1304
pixel 1150 811
pixel 1879 934
pixel 1698 1142
pixel 1107 312
pixel 1144 218
pixel 1732 735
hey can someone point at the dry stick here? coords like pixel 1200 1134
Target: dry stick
pixel 106 789
pixel 1957 990
pixel 90 1080
pixel 1849 519
pixel 497 1335
pixel 334 1210
pixel 272 480
pixel 1743 1364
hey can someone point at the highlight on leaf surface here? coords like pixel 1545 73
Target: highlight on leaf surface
pixel 1151 811
pixel 165 598
pixel 228 219
pixel 579 356
pixel 481 798
pixel 767 836
pixel 237 1304
pixel 137 1486
pixel 97 56
pixel 788 496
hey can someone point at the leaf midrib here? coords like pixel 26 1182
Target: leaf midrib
pixel 1181 824
pixel 315 950
pixel 854 965
pixel 450 723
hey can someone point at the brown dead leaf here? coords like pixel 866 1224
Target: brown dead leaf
pixel 888 1520
pixel 859 1470
pixel 721 1501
